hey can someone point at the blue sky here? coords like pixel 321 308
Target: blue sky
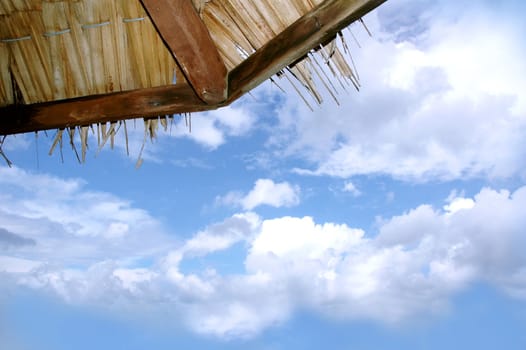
pixel 395 220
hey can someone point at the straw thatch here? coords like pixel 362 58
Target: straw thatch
pixel 71 50
pixel 53 50
pixel 241 27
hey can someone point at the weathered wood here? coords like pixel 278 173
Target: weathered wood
pixel 150 102
pixel 185 34
pixel 318 26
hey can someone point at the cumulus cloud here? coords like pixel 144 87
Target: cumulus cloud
pixel 459 204
pixel 411 267
pixel 265 192
pixel 211 129
pixel 441 99
pixel 416 262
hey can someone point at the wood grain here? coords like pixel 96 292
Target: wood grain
pixel 185 34
pixel 152 102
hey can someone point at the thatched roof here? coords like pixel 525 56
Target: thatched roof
pixel 79 62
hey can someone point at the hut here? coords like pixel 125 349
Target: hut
pixel 71 64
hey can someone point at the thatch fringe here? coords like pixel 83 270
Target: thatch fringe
pixel 239 28
pixel 105 132
pixel 8 162
pixel 87 47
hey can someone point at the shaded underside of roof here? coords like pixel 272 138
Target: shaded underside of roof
pixel 62 51
pixel 54 50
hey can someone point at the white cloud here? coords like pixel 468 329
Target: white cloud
pixel 239 306
pixel 49 212
pixel 205 131
pixel 132 278
pixel 16 142
pixel 221 236
pixel 290 237
pixel 211 129
pixel 17 265
pixel 441 122
pixel 349 187
pixel 459 204
pixel 236 120
pixel 265 192
pixel 417 261
pixel 443 100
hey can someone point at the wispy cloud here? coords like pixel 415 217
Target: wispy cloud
pixel 350 188
pixel 86 225
pixel 13 240
pixel 264 192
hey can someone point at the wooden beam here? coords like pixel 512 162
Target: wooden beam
pixel 165 100
pixel 187 37
pixel 294 42
pixel 318 26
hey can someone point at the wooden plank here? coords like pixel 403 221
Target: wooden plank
pixel 189 40
pixel 318 26
pixel 165 100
